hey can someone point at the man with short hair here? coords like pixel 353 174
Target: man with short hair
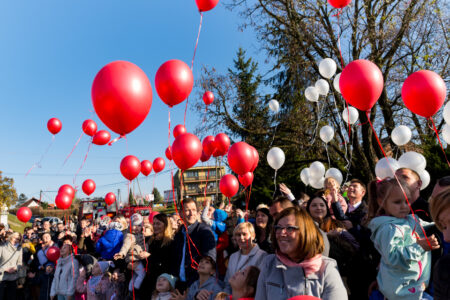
pixel 189 247
pixel 357 208
pixel 418 204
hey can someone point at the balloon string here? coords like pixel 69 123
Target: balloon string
pixel 274 131
pixel 275 184
pixel 206 187
pixel 72 149
pixel 115 140
pixel 319 113
pixel 328 156
pixel 38 163
pixel 348 165
pixel 168 137
pixel 82 164
pixel 247 200
pixel 396 178
pixel 192 62
pixel 154 178
pixel 440 143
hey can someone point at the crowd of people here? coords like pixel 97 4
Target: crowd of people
pixel 380 241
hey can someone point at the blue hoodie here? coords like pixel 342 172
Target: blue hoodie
pixel 218 226
pixel 405 266
pixel 109 244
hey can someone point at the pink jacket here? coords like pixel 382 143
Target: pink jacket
pixel 92 292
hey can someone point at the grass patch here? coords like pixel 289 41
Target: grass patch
pixel 15 224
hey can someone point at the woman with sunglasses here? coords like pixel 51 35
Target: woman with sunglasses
pixel 298 267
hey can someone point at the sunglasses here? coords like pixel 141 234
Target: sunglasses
pixel 288 229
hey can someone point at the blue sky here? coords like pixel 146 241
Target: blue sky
pixel 50 53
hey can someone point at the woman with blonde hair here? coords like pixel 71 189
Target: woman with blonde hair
pixel 159 251
pixel 298 267
pixel 249 253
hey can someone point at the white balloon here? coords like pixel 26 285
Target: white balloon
pixel 353 112
pixel 336 174
pixel 322 87
pixel 304 176
pixel 327 68
pixel 425 178
pixel 446 113
pixel 316 170
pixel 274 106
pixel 275 158
pixel 326 133
pixel 412 160
pixel 312 94
pixel 383 169
pixel 401 135
pixel 317 183
pixel 336 82
pixel 446 133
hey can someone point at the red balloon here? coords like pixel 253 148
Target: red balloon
pixel 53 254
pixel 151 216
pixel 89 127
pixel 208 97
pixel 63 201
pixel 205 5
pixel 146 167
pixel 102 137
pixel 67 189
pixel 339 3
pixel 222 143
pixel 186 151
pixel 361 84
pixel 204 157
pixel 122 96
pixel 179 130
pixel 246 179
pixel 110 198
pixel 174 82
pixel 88 186
pixel 229 185
pixel 169 153
pixel 208 145
pixel 24 214
pixel 159 164
pixel 255 158
pixel 424 92
pixel 54 125
pixel 130 167
pixel 240 158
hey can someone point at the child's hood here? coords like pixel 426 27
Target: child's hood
pixel 220 215
pixel 377 222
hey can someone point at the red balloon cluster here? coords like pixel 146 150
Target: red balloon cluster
pixel 179 130
pixel 208 97
pixel 159 164
pixel 66 193
pixel 423 93
pixel 168 153
pixel 54 125
pixel 110 198
pixel 89 127
pixel 122 96
pixel 174 82
pixel 101 138
pixel 53 254
pixel 361 84
pixel 208 145
pixel 241 158
pixel 229 185
pixel 146 167
pixel 186 151
pixel 88 186
pixel 205 5
pixel 130 167
pixel 24 214
pixel 339 3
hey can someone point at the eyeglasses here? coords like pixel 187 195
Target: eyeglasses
pixel 289 229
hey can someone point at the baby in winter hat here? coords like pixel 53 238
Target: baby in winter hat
pixel 165 285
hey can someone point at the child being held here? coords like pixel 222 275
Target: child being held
pixel 405 252
pixel 98 285
pixel 165 285
pixel 132 247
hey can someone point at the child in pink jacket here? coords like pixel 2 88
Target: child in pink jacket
pixel 98 285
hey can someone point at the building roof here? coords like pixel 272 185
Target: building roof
pixel 30 201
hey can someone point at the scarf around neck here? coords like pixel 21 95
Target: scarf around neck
pixel 310 266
